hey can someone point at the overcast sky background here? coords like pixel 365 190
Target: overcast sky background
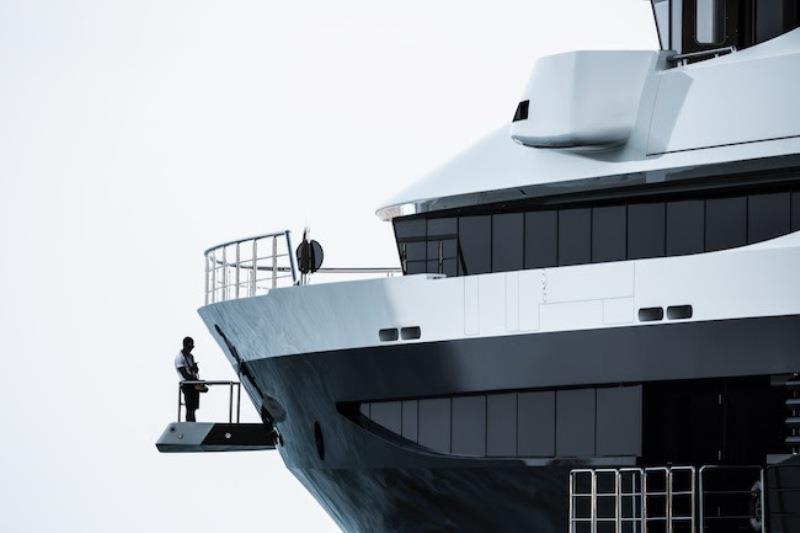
pixel 135 134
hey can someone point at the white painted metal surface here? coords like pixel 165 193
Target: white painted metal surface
pixel 752 281
pixel 735 107
pixel 585 99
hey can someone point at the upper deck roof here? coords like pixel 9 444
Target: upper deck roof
pixel 735 107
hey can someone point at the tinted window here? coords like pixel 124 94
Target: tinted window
pixel 411 243
pixel 475 239
pixel 536 424
pixel 685 227
pixel 434 424
pixel 646 230
pixel 507 242
pixel 442 246
pixel 541 239
pixel 469 425
pixel 726 223
pixel 409 228
pixel 608 234
pixel 574 236
pixel 768 216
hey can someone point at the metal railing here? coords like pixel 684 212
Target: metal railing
pixel 235 389
pixel 255 265
pixel 723 500
pixel 632 499
pixel 249 267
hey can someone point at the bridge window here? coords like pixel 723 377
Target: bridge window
pixel 646 230
pixel 608 233
pixel 726 223
pixel 475 239
pixel 574 236
pixel 507 249
pixel 768 216
pixel 686 227
pixel 541 239
pixel 475 244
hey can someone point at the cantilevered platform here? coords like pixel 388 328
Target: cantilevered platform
pixel 230 436
pixel 196 437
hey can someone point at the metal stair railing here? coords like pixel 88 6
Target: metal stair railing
pixel 727 494
pixel 639 498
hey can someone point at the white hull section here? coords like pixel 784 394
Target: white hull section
pixel 754 281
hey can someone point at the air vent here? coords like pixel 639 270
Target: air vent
pixel 388 335
pixel 410 333
pixel 679 312
pixel 651 314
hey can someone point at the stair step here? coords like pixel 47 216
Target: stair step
pixel 793 402
pixel 793 421
pixel 793 383
pixel 793 439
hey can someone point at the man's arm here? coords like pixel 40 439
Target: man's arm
pixel 185 374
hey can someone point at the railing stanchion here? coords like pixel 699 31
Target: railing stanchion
pixel 179 402
pixel 237 270
pixel 274 262
pixel 230 403
pixel 213 276
pixel 238 401
pixel 206 281
pixel 291 255
pixel 224 273
pixel 254 273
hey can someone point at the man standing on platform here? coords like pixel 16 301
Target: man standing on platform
pixel 188 371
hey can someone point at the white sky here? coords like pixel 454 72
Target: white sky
pixel 135 134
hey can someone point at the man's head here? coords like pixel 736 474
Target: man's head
pixel 188 344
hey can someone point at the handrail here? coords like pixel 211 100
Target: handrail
pixel 232 267
pixel 253 238
pixel 231 384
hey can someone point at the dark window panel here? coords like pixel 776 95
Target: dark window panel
pixel 541 239
pixel 415 251
pixel 608 234
pixel 469 425
pixel 387 414
pixel 447 249
pixel 574 236
pixel 416 267
pixel 409 228
pixel 646 230
pixel 768 216
pixel 796 211
pixel 619 421
pixel 686 227
pixel 475 240
pixel 507 242
pixel 434 424
pixel 442 227
pixel 575 419
pixel 536 424
pixel 726 223
pixel 501 420
pixel 410 420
